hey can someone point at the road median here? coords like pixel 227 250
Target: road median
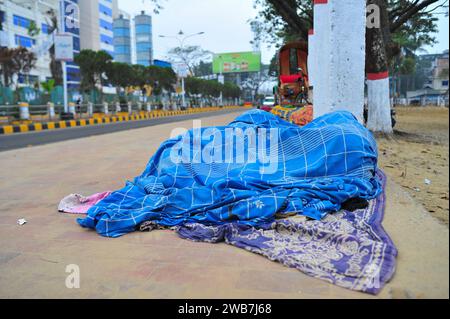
pixel 100 119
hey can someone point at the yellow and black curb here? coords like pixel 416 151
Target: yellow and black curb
pixel 101 119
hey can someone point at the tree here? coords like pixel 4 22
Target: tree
pixel 203 68
pixel 48 86
pixel 119 75
pixel 33 29
pixel 55 66
pixel 211 88
pixel 256 80
pixel 15 61
pixel 122 75
pixel 24 60
pixel 8 66
pixel 291 19
pixel 93 65
pixel 400 19
pixel 188 55
pixel 230 90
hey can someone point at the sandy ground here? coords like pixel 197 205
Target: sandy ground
pixel 419 151
pixel 34 257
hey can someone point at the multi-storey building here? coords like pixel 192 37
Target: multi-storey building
pixel 122 39
pixel 16 19
pixel 435 89
pixel 96 27
pixel 144 39
pixel 28 23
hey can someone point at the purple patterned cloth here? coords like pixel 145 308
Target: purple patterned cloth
pixel 348 249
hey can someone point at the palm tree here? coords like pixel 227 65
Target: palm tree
pixel 24 60
pixel 55 66
pixel 8 66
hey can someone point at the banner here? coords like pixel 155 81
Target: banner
pixel 237 62
pixel 64 47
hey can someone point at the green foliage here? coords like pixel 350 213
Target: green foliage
pixel 33 29
pixel 203 68
pixel 92 65
pixel 48 86
pixel 189 55
pixel 408 66
pixel 15 61
pixel 211 88
pixel 123 75
pixel 410 23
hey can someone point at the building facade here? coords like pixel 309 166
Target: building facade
pixel 16 19
pixel 72 26
pixel 19 17
pixel 122 39
pixel 435 90
pixel 144 39
pixel 96 28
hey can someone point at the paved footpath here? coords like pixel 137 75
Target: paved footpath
pixel 33 257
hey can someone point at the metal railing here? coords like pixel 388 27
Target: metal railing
pixel 50 112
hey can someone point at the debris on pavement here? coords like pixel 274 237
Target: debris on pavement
pixel 22 221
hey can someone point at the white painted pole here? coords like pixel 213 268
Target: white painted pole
pixel 311 58
pixel 379 117
pixel 322 30
pixel 348 56
pixel 183 93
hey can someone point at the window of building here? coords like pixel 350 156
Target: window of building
pixel 122 49
pixel 105 10
pixel 121 32
pixel 21 21
pixel 106 25
pixel 25 42
pixel 76 44
pixel 106 39
pixel 22 78
pixel 445 83
pixel 143 47
pixel 143 28
pixel 45 28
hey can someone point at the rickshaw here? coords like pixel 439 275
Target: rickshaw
pixel 293 85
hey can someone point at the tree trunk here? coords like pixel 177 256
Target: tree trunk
pixel 379 105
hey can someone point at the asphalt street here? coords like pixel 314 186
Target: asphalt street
pixel 23 140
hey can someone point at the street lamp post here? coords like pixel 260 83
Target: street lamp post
pixel 181 39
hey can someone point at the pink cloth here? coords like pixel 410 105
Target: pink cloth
pixel 78 204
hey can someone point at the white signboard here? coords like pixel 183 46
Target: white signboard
pixel 182 70
pixel 64 47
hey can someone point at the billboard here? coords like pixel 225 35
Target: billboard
pixel 237 62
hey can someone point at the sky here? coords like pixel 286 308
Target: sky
pixel 442 36
pixel 225 23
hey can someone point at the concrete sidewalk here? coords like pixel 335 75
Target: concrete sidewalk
pixel 33 257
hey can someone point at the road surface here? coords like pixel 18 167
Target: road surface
pixel 17 141
pixel 34 257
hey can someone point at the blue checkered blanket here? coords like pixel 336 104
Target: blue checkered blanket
pixel 249 172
